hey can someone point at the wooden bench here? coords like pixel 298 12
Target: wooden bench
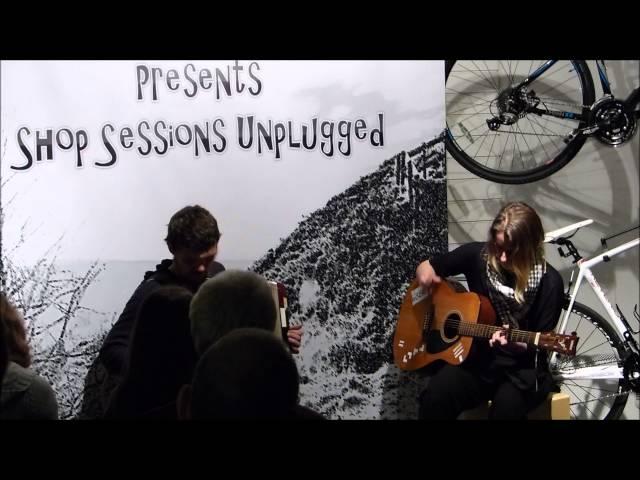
pixel 555 407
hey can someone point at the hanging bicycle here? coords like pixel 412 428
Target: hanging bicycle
pixel 518 121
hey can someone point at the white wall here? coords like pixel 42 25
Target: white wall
pixel 601 183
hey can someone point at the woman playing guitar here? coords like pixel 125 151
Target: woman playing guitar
pixel 526 293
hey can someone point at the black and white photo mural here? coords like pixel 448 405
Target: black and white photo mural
pixel 326 176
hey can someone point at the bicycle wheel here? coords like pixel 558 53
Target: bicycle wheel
pixel 600 350
pixel 491 130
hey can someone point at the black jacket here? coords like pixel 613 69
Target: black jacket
pixel 115 349
pixel 526 370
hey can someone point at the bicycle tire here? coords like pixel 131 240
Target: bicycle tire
pixel 527 175
pixel 593 399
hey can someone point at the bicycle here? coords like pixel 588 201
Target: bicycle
pixel 546 108
pixel 606 367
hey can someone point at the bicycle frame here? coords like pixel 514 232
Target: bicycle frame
pixel 584 272
pixel 631 101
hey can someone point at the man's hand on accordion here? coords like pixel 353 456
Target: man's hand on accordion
pixel 294 338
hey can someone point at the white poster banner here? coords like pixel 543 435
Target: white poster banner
pixel 97 156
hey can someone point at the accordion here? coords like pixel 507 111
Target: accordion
pixel 279 295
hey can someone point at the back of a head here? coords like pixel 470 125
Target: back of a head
pixel 248 374
pixel 18 350
pixel 161 344
pixel 232 299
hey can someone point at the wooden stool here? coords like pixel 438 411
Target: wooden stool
pixel 555 407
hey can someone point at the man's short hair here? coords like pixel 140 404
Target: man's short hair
pixel 247 374
pixel 192 228
pixel 232 299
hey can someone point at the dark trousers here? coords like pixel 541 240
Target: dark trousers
pixel 454 389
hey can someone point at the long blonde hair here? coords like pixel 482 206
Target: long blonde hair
pixel 523 240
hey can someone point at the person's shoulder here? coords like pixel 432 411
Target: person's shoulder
pixel 17 379
pixel 468 247
pixel 43 398
pixel 553 277
pixel 38 399
pixel 305 413
pixel 552 272
pixel 472 247
pixel 215 268
pixel 41 387
pixel 161 275
pixel 155 279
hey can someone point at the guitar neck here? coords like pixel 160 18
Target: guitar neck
pixel 565 344
pixel 486 331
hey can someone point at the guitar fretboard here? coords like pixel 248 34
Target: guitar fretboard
pixel 486 331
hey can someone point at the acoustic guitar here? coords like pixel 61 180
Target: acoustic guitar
pixel 443 325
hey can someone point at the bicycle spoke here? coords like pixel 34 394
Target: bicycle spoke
pixel 550 136
pixel 524 138
pixel 484 138
pixel 485 78
pixel 586 340
pixel 458 76
pixel 457 112
pixel 503 150
pixel 474 72
pixel 496 82
pixel 491 148
pixel 513 152
pixel 508 71
pixel 468 95
pixel 597 400
pixel 608 391
pixel 541 144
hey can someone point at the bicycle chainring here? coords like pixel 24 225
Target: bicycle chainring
pixel 616 123
pixel 631 371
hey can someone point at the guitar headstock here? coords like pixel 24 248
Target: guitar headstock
pixel 557 342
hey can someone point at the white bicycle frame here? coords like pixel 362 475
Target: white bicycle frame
pixel 584 272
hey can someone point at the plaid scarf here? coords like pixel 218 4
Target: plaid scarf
pixel 503 297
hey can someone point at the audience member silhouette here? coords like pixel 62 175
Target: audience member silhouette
pixel 235 300
pixel 4 354
pixel 232 299
pixel 161 360
pixel 248 374
pixel 25 395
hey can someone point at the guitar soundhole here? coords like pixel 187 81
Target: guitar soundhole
pixel 451 325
